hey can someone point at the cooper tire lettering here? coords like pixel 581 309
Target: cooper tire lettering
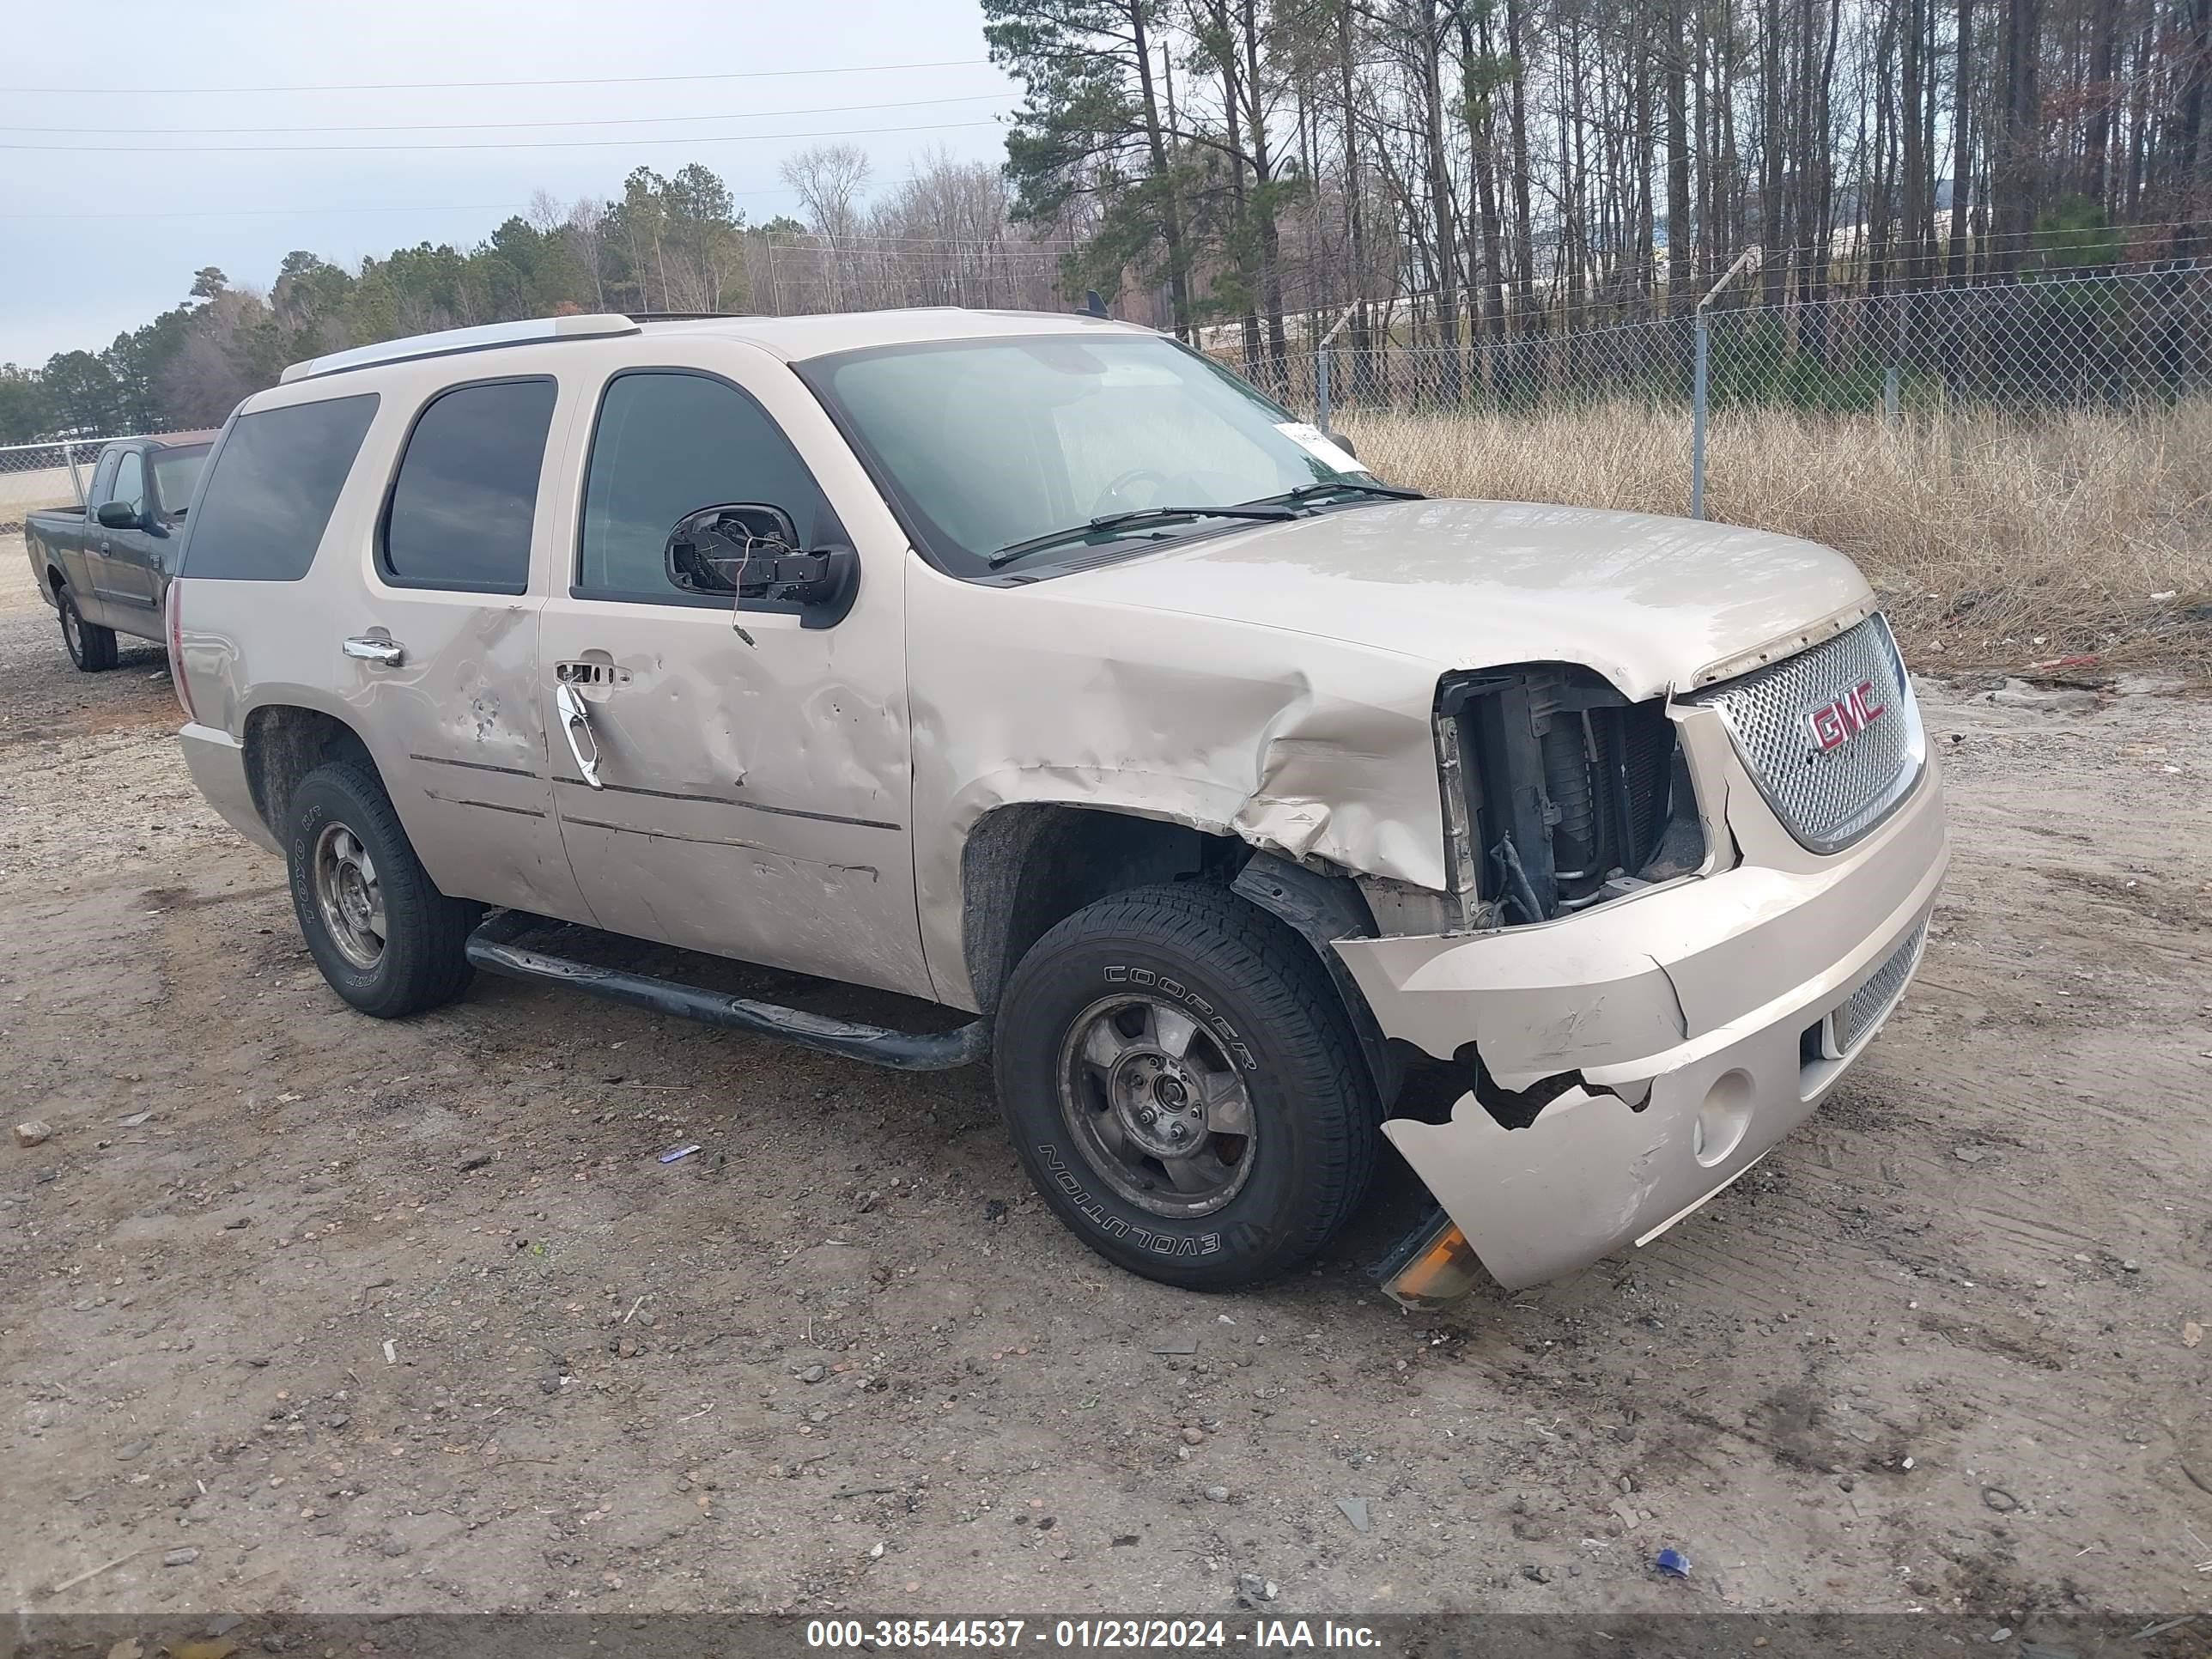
pixel 1257 993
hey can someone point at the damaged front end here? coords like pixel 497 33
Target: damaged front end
pixel 1674 926
pixel 1559 793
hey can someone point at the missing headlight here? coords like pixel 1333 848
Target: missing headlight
pixel 1560 793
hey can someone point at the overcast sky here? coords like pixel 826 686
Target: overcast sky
pixel 96 239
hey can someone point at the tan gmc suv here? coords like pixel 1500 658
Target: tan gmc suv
pixel 1037 667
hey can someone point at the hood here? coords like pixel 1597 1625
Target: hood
pixel 1653 604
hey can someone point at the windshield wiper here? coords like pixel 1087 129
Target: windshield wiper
pixel 1333 486
pixel 1142 515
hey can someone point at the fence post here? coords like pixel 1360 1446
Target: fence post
pixel 1891 375
pixel 69 454
pixel 1321 368
pixel 1747 260
pixel 1698 419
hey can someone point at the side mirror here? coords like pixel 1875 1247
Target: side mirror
pixel 749 552
pixel 1342 443
pixel 117 515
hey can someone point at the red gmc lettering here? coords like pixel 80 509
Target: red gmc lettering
pixel 1836 723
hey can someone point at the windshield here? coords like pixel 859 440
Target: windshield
pixel 175 472
pixel 989 443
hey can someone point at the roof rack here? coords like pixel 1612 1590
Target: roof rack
pixel 448 342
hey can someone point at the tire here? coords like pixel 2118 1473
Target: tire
pixel 90 647
pixel 1086 1045
pixel 341 817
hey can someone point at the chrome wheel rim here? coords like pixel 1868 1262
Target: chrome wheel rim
pixel 1160 1110
pixel 71 636
pixel 348 896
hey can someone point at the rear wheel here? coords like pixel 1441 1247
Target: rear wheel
pixel 387 939
pixel 90 647
pixel 1185 1088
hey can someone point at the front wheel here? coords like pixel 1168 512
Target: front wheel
pixel 1185 1088
pixel 90 647
pixel 387 939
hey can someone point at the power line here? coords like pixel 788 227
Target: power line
pixel 238 212
pixel 289 212
pixel 581 80
pixel 532 143
pixel 488 126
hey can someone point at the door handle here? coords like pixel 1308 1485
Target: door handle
pixel 578 726
pixel 385 653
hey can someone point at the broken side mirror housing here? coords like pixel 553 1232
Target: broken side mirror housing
pixel 750 552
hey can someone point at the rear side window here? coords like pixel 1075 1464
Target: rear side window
pixel 462 505
pixel 276 478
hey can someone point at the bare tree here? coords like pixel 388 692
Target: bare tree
pixel 585 227
pixel 827 179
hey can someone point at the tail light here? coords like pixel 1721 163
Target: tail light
pixel 174 629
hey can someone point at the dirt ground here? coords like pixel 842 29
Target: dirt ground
pixel 341 1316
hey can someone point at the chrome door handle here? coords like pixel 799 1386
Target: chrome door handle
pixel 578 726
pixel 385 653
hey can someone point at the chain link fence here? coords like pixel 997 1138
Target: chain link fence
pixel 2123 341
pixel 36 475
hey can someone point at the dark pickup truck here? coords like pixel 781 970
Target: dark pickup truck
pixel 105 567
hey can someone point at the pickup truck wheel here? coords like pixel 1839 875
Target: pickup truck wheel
pixel 90 647
pixel 1185 1088
pixel 387 939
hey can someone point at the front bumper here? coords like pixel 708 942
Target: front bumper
pixel 217 763
pixel 1709 1005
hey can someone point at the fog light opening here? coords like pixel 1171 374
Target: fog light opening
pixel 1723 1118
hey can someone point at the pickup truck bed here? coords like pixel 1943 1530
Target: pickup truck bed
pixel 106 567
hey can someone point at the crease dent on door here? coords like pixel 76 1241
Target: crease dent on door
pixel 475 762
pixel 478 725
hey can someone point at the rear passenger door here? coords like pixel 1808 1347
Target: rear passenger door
pixel 751 763
pixel 440 652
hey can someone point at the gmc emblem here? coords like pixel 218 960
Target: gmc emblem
pixel 1835 724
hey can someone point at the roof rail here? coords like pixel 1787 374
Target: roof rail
pixel 447 341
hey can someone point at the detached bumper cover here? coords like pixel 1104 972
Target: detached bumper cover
pixel 217 764
pixel 1693 1001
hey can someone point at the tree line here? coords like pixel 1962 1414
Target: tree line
pixel 674 244
pixel 1471 170
pixel 1438 171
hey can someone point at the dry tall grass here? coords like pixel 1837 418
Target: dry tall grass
pixel 1991 540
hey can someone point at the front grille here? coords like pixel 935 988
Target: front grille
pixel 1827 797
pixel 1864 1009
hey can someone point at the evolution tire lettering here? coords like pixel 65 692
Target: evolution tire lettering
pixel 1231 1044
pixel 1113 1225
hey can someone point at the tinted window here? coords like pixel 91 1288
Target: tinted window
pixel 277 477
pixel 668 444
pixel 129 487
pixel 467 489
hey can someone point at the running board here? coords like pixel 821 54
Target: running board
pixel 491 948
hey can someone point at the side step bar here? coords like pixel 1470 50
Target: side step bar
pixel 491 948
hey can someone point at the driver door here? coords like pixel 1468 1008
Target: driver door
pixel 731 775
